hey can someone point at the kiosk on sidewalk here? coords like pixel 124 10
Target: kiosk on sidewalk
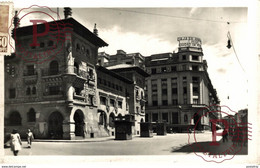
pixel 123 128
pixel 161 128
pixel 146 129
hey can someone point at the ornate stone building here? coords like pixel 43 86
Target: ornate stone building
pixel 53 90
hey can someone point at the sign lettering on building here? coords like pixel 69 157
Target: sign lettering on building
pixel 189 42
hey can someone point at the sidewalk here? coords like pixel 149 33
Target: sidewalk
pixel 98 139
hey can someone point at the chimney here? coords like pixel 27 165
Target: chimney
pixel 95 30
pixel 15 22
pixel 67 12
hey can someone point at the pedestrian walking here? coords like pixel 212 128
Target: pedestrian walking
pixel 29 138
pixel 15 143
pixel 225 135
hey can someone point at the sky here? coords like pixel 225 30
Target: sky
pixel 155 30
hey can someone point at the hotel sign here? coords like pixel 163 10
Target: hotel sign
pixel 189 42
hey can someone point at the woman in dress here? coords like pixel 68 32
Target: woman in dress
pixel 16 143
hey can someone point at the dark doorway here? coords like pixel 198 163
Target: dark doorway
pixel 79 123
pixel 175 118
pixel 55 125
pixel 197 121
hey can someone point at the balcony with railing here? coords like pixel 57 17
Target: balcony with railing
pixel 30 77
pixel 50 72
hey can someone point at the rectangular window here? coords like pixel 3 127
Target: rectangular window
pixel 195 57
pixel 102 100
pixel 174 68
pixel 165 117
pixel 153 70
pixel 12 93
pixel 175 118
pixel 175 101
pixel 155 103
pixel 183 57
pixel 91 73
pixel 195 79
pixel 112 102
pixel 119 104
pixel 164 82
pixel 163 69
pixel 184 79
pixel 154 85
pixel 195 90
pixel 195 101
pixel 174 90
pixel 164 102
pixel 185 101
pixel 183 67
pixel 108 84
pixel 184 90
pixel 174 81
pixel 195 67
pixel 30 70
pixel 164 91
pixel 155 117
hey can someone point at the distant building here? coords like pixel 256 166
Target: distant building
pixel 113 98
pixel 179 87
pixel 131 67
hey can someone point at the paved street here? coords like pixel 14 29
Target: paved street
pixel 158 145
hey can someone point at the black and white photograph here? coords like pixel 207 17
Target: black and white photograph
pixel 169 82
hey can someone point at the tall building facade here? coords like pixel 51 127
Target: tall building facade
pixel 179 88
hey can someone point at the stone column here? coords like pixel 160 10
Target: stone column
pixel 69 126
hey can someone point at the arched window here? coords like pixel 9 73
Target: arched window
pixel 28 91
pixel 185 118
pixel 54 68
pixel 15 119
pixel 34 90
pixel 111 120
pixel 31 115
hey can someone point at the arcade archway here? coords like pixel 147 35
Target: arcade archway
pixel 79 123
pixel 55 127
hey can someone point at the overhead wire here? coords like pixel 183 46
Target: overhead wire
pixel 172 16
pixel 230 38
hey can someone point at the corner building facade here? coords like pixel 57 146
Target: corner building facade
pixel 56 98
pixel 178 89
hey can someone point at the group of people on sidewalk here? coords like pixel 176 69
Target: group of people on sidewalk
pixel 16 142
